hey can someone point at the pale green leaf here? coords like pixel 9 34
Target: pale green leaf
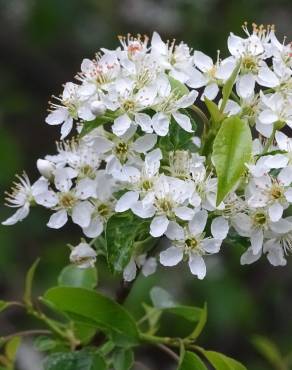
pixel 222 362
pixel 268 350
pixel 12 347
pixel 92 308
pixel 228 86
pixel 123 359
pixel 191 361
pixel 74 276
pixel 27 297
pixel 231 150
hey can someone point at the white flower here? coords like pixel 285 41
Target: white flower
pixel 22 196
pixel 83 255
pixel 148 266
pixel 191 242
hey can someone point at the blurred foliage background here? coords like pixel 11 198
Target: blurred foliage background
pixel 42 43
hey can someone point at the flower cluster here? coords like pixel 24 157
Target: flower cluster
pixel 135 151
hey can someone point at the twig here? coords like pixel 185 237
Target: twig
pixel 167 350
pixel 25 333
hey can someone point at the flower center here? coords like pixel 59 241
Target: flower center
pixel 249 64
pixel 164 205
pixel 147 185
pixel 192 243
pixel 129 105
pixel 67 200
pixel 260 218
pixel 103 210
pixel 121 148
pixel 276 192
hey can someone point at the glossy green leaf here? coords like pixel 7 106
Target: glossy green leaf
pixel 91 125
pixel 222 362
pixel 12 347
pixel 84 332
pixel 177 138
pixel 27 297
pixel 228 86
pixel 201 324
pixel 216 115
pixel 81 360
pixel 269 351
pixel 74 276
pixel 4 305
pixel 122 231
pixel 123 359
pixel 96 310
pixel 178 87
pixel 231 150
pixel 191 361
pixel 44 343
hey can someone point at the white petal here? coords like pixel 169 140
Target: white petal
pixel 121 125
pixel 283 141
pixel 47 199
pixel 184 213
pixel 143 211
pixel 158 226
pixel 171 256
pixel 212 245
pixel 282 226
pixel 276 161
pixel 245 86
pixel 160 124
pixel 66 127
pixel 248 257
pixel 197 79
pixel 86 188
pixel 198 223
pixel 267 78
pixel 285 176
pixel 197 266
pixel 174 231
pixel 58 219
pixel 57 116
pixel 19 215
pixel 275 212
pixel 144 121
pixel 202 61
pixel 130 270
pixel 81 213
pixel 256 240
pixel 94 229
pixel 184 121
pixel 144 143
pixel 288 195
pixel 149 267
pixel 126 201
pixel 275 253
pixel 267 117
pixel 210 92
pixel 219 228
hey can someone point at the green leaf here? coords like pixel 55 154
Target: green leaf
pixel 122 230
pixel 44 343
pixel 231 150
pixel 27 297
pixel 123 359
pixel 216 115
pixel 81 360
pixel 228 86
pixel 74 276
pixel 11 348
pixel 84 332
pixel 201 324
pixel 4 305
pixel 96 310
pixel 268 350
pixel 178 87
pixel 91 125
pixel 177 138
pixel 222 362
pixel 191 361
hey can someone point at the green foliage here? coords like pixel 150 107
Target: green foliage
pixel 44 343
pixel 228 86
pixel 4 305
pixel 216 115
pixel 88 126
pixel 222 362
pixel 123 359
pixel 81 360
pixel 177 138
pixel 95 310
pixel 231 150
pixel 191 361
pixel 179 88
pixel 27 296
pixel 269 351
pixel 123 230
pixel 74 276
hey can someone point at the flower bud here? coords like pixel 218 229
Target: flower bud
pixel 83 256
pixel 97 108
pixel 45 167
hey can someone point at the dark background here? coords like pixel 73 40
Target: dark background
pixel 42 43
